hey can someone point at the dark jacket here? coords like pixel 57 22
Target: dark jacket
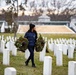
pixel 31 36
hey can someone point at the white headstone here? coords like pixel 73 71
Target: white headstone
pixel 3 27
pixel 67 42
pixel 60 40
pixel 8 45
pixel 42 53
pixel 55 49
pixel 7 38
pixel 70 41
pixel 72 68
pixel 70 51
pixel 12 38
pixel 51 40
pixel 6 57
pixel 47 67
pixel 63 40
pixel 13 48
pixel 10 71
pixel 14 51
pixel 50 46
pixel 27 54
pixel 2 37
pixel 2 46
pixel 57 41
pixel 60 46
pixel 65 49
pixel 45 39
pixel 59 58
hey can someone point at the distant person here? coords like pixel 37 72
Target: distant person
pixel 31 35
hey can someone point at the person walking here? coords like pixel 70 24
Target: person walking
pixel 31 35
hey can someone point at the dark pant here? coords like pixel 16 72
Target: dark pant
pixel 31 57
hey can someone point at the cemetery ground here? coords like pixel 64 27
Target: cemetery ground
pixel 18 61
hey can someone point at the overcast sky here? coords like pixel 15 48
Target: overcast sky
pixel 3 4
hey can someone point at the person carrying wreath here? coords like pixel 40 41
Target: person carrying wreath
pixel 31 35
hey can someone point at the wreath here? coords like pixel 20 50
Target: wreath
pixel 39 44
pixel 21 44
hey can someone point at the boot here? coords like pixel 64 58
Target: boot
pixel 34 66
pixel 26 63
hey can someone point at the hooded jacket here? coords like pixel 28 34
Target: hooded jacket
pixel 31 36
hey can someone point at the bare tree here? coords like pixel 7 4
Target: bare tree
pixel 61 5
pixel 13 9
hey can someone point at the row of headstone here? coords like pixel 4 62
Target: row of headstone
pixel 47 59
pixel 59 50
pixel 6 55
pixel 7 45
pixel 2 37
pixel 63 46
pixel 58 54
pixel 47 66
pixel 63 41
pixel 10 46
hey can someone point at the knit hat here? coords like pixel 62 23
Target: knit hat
pixel 31 26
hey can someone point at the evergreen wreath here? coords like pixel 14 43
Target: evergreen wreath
pixel 39 44
pixel 21 44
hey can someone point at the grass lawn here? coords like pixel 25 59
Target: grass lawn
pixel 18 61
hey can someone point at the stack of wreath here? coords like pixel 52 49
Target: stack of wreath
pixel 39 44
pixel 21 44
